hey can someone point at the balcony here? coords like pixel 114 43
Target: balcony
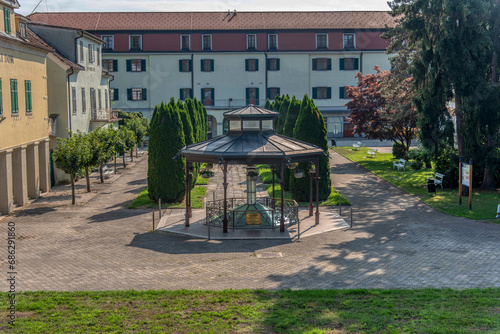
pixel 104 115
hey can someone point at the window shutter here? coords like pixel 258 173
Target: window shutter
pixel 328 92
pixel 180 66
pixel 246 67
pixel 329 64
pixel 202 67
pixel 356 64
pixel 315 93
pixel 180 94
pixel 190 65
pixel 268 66
pixel 315 64
pixel 190 93
pixel 115 65
pixel 256 96
pixel 115 94
pixel 213 96
pixel 256 64
pixel 277 64
pixel 143 65
pixel 129 65
pixel 278 91
pixel 247 96
pixel 129 94
pixel 342 92
pixel 144 94
pixel 202 96
pixel 268 95
pixel 211 65
pixel 341 64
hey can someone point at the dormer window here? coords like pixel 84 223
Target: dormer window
pixel 321 41
pixel 251 42
pixel 22 29
pixel 108 42
pixel 349 41
pixel 135 42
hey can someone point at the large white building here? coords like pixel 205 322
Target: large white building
pixel 231 59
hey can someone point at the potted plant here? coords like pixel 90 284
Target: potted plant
pixel 206 174
pixel 253 175
pixel 292 165
pixel 298 173
pixel 209 166
pixel 312 168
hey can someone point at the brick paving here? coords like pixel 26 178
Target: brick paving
pixel 397 242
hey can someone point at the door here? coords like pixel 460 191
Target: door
pixel 348 129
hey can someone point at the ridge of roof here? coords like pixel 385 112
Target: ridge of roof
pixel 86 33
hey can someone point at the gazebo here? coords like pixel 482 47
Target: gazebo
pixel 251 139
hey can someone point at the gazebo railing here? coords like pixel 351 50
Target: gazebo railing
pixel 215 212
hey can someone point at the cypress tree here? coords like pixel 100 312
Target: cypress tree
pixel 292 114
pixel 154 151
pixel 310 127
pixel 283 111
pixel 268 105
pixel 196 120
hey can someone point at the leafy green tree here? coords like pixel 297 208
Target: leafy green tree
pixel 104 144
pixel 283 112
pixel 137 127
pixel 69 156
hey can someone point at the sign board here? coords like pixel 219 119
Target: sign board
pixel 465 179
pixel 465 174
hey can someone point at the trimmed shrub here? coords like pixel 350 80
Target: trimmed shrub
pixel 398 151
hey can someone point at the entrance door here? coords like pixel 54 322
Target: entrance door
pixel 348 129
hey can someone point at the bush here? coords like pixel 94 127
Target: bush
pixel 398 151
pixel 416 164
pixel 447 163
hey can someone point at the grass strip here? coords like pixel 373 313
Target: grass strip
pixel 233 311
pixel 143 201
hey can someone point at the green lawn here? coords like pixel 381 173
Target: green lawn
pixel 414 182
pixel 245 311
pixel 143 201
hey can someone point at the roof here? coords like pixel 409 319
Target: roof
pixel 85 33
pixel 251 111
pixel 36 40
pixel 12 3
pixel 106 21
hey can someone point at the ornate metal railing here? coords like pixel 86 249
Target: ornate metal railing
pixel 104 114
pixel 215 212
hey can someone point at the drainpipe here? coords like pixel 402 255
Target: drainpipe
pixel 361 62
pixel 109 92
pixel 192 75
pixel 265 89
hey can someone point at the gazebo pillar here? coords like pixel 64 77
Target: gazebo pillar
pixel 282 219
pixel 316 163
pixel 273 170
pixel 186 221
pixel 310 193
pixel 224 221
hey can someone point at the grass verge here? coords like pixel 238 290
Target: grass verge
pixel 143 201
pixel 235 311
pixel 414 182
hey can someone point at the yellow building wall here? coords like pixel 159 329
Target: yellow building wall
pixel 12 20
pixel 23 128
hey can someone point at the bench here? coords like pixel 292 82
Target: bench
pixel 399 164
pixel 356 146
pixel 438 179
pixel 372 152
pixel 107 172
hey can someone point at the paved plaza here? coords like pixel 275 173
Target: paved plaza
pixel 397 242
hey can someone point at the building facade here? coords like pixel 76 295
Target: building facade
pixel 24 122
pixel 231 59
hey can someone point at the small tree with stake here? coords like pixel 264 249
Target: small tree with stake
pixel 137 127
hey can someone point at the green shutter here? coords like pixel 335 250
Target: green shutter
pixel 202 67
pixel 277 64
pixel 329 64
pixel 315 93
pixel 144 94
pixel 129 94
pixel 328 92
pixel 268 66
pixel 190 65
pixel 246 66
pixel 27 94
pixel 315 64
pixel 180 66
pixel 1 102
pixel 202 96
pixel 256 64
pixel 190 92
pixel 268 93
pixel 143 65
pixel 356 64
pixel 342 92
pixel 129 65
pixel 212 68
pixel 115 65
pixel 13 96
pixel 341 64
pixel 6 20
pixel 213 95
pixel 116 96
pixel 180 94
pixel 256 96
pixel 247 96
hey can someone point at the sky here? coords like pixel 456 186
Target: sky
pixel 27 6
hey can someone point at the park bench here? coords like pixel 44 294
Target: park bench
pixel 438 179
pixel 107 172
pixel 356 146
pixel 399 164
pixel 372 152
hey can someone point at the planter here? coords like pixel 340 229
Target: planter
pixel 205 175
pixel 253 178
pixel 298 175
pixel 292 165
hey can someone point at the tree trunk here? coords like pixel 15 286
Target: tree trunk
pixel 87 178
pixel 115 163
pixel 100 173
pixel 136 149
pixel 459 118
pixel 124 165
pixel 132 154
pixel 72 189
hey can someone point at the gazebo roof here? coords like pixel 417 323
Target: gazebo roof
pixel 251 111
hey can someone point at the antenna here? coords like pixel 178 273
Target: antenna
pixel 38 4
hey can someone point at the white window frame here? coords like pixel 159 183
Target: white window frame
pixel 189 42
pixel 91 53
pixel 136 93
pixel 130 41
pixel 255 42
pixel 354 38
pixel 269 41
pixel 82 52
pixel 327 45
pixel 202 42
pixel 112 41
pixel 22 29
pixel 105 63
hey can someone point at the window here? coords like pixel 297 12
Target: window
pixel 273 64
pixel 207 96
pixel 13 96
pixel 186 93
pixel 322 93
pixel 100 98
pixel 93 102
pixel 342 93
pixel 27 95
pixel 114 94
pixel 349 64
pixel 185 42
pixel 136 65
pixel 91 53
pixel 251 65
pixel 84 101
pixel 110 65
pixel 1 99
pixel 136 94
pixel 322 64
pixel 73 99
pixel 207 42
pixel 106 95
pixel 349 41
pixel 22 29
pixel 6 20
pixel 185 65
pixel 108 42
pixel 252 96
pixel 98 52
pixel 272 41
pixel 272 92
pixel 207 65
pixel 81 51
pixel 251 42
pixel 321 41
pixel 135 42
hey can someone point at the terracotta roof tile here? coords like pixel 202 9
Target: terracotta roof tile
pixel 95 21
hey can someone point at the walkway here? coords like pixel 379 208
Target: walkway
pixel 397 242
